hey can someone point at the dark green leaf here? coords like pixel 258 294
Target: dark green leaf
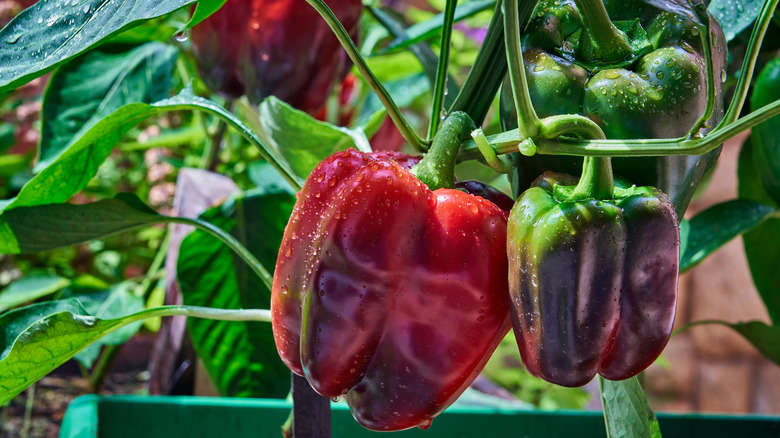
pixel 31 287
pixel 764 337
pixel 735 15
pixel 116 302
pixel 51 32
pixel 761 243
pixel 714 227
pixel 430 28
pixel 301 139
pixel 37 339
pixel 93 86
pixel 44 227
pixel 240 357
pixel 765 138
pixel 626 410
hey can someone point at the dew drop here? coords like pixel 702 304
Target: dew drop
pixel 183 36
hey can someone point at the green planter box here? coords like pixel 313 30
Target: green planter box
pixel 190 417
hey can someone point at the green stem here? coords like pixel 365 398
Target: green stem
pixel 596 181
pixel 28 408
pixel 607 43
pixel 749 64
pixel 102 367
pixel 441 70
pixel 704 32
pixel 437 168
pixel 260 315
pixel 491 158
pixel 142 290
pixel 527 120
pixel 354 54
pixel 506 142
pixel 233 244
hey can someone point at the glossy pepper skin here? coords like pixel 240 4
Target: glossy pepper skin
pixel 593 283
pixel 283 48
pixel 660 94
pixel 387 293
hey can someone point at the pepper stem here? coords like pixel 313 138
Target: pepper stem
pixel 596 181
pixel 437 168
pixel 601 40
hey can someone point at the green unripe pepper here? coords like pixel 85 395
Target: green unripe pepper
pixel 592 281
pixel 660 92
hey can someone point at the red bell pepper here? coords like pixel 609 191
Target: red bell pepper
pixel 282 48
pixel 387 292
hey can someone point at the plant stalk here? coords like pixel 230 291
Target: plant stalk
pixel 608 44
pixel 441 70
pixel 527 120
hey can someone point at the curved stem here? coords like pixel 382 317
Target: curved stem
pixel 437 168
pixel 354 54
pixel 507 142
pixel 570 124
pixel 491 158
pixel 706 42
pixel 233 244
pixel 596 181
pixel 527 120
pixel 749 64
pixel 441 70
pixel 608 43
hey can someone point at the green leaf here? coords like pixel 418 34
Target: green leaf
pixel 116 302
pixel 52 32
pixel 303 140
pixel 78 163
pixel 203 11
pixel 735 15
pixel 36 339
pixel 91 87
pixel 31 287
pixel 761 248
pixel 764 337
pixel 430 28
pixel 764 137
pixel 626 410
pixel 714 227
pixel 45 227
pixel 240 357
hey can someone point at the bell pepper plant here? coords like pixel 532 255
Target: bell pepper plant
pixel 541 188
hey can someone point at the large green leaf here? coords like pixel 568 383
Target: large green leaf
pixel 36 339
pixel 240 357
pixel 716 226
pixel 54 31
pixel 91 87
pixel 626 410
pixel 31 287
pixel 301 139
pixel 764 137
pixel 735 15
pixel 761 243
pixel 78 163
pixel 44 227
pixel 764 337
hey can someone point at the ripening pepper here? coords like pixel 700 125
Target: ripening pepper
pixel 593 282
pixel 660 92
pixel 283 48
pixel 387 292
